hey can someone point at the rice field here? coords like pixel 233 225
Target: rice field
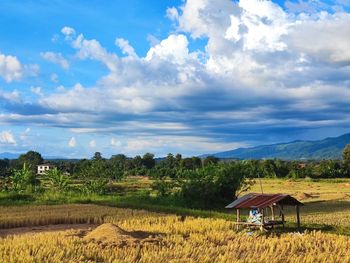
pixel 177 240
pixel 144 236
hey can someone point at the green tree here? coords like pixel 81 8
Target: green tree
pixel 57 179
pixel 97 156
pixel 98 186
pixel 346 158
pixel 213 185
pixel 24 179
pixel 191 163
pixel 4 168
pixel 31 159
pixel 210 160
pixel 148 160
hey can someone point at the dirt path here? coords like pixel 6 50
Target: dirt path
pixel 47 228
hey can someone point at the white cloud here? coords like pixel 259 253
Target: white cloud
pixel 266 22
pixel 125 47
pixel 6 137
pixel 56 58
pixel 54 77
pixel 326 38
pixel 68 31
pixel 116 143
pixel 92 49
pixel 13 96
pixel 152 40
pixel 174 49
pixel 261 67
pixel 10 68
pixel 92 144
pixel 172 13
pixel 72 143
pixel 25 134
pixel 161 145
pixel 37 91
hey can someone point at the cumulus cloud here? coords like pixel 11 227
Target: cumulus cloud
pixel 72 142
pixel 263 70
pixel 55 58
pixel 10 68
pixel 125 47
pixel 68 32
pixel 174 48
pixel 6 137
pixel 326 38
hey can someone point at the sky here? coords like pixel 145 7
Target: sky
pixel 190 77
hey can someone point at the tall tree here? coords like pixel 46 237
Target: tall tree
pixel 210 160
pixel 97 156
pixel 148 160
pixel 31 159
pixel 346 158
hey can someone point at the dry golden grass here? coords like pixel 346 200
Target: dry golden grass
pixel 31 215
pixel 326 201
pixel 189 240
pixel 177 239
pixel 307 190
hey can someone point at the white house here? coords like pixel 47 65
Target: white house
pixel 43 168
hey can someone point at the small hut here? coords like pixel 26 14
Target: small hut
pixel 264 205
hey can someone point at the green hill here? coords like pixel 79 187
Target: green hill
pixel 329 148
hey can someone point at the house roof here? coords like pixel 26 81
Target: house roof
pixel 254 200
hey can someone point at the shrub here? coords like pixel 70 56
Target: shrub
pixel 24 179
pixel 95 186
pixel 213 185
pixel 57 179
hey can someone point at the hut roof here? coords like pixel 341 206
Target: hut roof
pixel 254 200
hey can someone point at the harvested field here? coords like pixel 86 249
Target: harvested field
pixel 172 239
pixel 47 228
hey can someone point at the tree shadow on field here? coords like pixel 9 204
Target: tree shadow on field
pixel 321 207
pixel 13 198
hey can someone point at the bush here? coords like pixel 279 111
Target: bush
pixel 95 186
pixel 24 180
pixel 57 179
pixel 163 187
pixel 213 185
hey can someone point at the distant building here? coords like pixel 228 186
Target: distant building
pixel 43 168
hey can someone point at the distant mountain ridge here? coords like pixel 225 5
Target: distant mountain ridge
pixel 7 155
pixel 11 156
pixel 329 148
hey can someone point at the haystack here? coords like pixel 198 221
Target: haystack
pixel 112 235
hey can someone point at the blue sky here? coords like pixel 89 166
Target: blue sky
pixel 171 76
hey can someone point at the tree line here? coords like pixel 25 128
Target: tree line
pixel 205 182
pixel 119 166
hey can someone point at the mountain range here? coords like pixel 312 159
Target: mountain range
pixel 11 156
pixel 329 148
pixel 7 155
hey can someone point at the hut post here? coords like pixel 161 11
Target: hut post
pixel 238 219
pixel 272 213
pixel 298 216
pixel 282 212
pixel 262 220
